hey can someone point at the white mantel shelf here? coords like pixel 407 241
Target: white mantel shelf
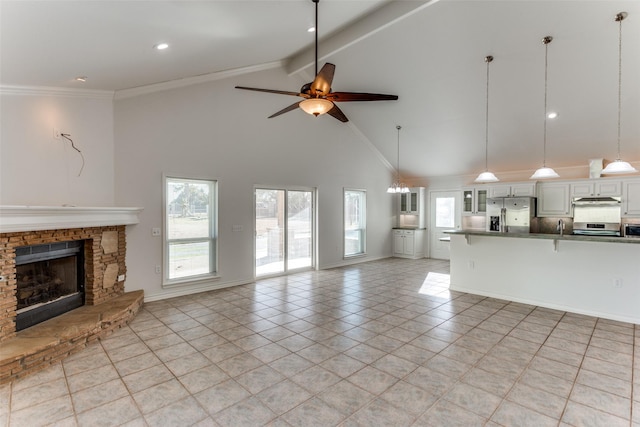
pixel 35 218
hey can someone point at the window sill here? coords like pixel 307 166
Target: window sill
pixel 362 255
pixel 187 281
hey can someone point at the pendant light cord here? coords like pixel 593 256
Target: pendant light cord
pixel 619 18
pixel 398 127
pixel 488 60
pixel 546 42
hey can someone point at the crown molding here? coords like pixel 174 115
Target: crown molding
pixel 55 91
pixel 188 81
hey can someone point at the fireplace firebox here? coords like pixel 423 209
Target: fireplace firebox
pixel 50 281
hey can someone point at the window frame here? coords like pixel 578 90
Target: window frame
pixel 212 238
pixel 363 218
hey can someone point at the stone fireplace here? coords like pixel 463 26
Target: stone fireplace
pixel 55 262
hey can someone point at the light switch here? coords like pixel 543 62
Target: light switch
pixel 236 228
pixel 155 231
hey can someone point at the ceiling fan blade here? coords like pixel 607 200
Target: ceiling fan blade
pixel 280 92
pixel 285 110
pixel 322 83
pixel 356 96
pixel 338 114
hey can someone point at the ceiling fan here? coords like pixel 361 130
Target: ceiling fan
pixel 318 97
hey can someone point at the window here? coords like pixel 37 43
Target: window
pixel 355 215
pixel 190 229
pixel 445 212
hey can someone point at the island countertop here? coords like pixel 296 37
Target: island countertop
pixel 574 237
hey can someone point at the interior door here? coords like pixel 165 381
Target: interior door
pixel 284 230
pixel 444 214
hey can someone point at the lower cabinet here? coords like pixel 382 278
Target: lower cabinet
pixel 408 243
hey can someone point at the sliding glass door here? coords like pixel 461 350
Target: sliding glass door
pixel 284 230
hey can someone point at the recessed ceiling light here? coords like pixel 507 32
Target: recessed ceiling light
pixel 552 115
pixel 311 30
pixel 161 46
pixel 81 79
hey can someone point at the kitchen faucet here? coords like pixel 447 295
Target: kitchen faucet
pixel 560 227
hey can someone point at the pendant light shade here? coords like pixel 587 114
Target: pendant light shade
pixel 397 186
pixel 545 172
pixel 619 166
pixel 487 176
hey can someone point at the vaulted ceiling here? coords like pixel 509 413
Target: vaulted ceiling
pixel 430 53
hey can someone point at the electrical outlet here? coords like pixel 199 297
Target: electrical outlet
pixel 155 231
pixel 121 278
pixel 158 269
pixel 617 282
pixel 56 133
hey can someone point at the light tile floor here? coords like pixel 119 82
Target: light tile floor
pixel 381 343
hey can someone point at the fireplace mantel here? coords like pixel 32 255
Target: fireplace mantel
pixel 35 218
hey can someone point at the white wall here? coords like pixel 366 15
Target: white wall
pixel 36 169
pixel 212 130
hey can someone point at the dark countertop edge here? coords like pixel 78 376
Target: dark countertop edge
pixel 577 238
pixel 408 228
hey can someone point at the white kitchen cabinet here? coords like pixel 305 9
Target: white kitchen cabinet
pixel 411 211
pixel 596 189
pixel 554 199
pixel 516 189
pixel 631 198
pixel 411 202
pixel 408 243
pixel 474 201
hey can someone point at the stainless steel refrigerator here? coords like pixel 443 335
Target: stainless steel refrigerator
pixel 510 214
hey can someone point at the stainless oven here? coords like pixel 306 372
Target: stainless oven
pixel 632 230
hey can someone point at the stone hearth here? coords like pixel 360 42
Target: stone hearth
pixel 107 306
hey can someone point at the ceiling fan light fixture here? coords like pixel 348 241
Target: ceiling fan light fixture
pixel 316 106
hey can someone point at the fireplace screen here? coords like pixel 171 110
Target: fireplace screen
pixel 45 281
pixel 49 281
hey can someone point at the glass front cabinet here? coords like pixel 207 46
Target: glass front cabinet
pixel 410 202
pixel 474 201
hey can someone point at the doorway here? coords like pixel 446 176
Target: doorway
pixel 284 230
pixel 444 215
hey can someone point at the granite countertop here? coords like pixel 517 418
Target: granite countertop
pixel 574 237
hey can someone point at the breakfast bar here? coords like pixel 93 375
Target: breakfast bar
pixel 592 275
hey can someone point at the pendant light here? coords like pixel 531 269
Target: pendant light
pixel 397 186
pixel 618 166
pixel 545 172
pixel 487 176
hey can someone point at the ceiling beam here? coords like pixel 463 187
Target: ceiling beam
pixel 377 20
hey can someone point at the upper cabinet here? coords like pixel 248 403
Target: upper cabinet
pixel 631 199
pixel 411 202
pixel 554 199
pixel 596 189
pixel 474 200
pixel 411 208
pixel 514 189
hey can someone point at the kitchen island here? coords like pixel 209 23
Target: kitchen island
pixel 593 275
